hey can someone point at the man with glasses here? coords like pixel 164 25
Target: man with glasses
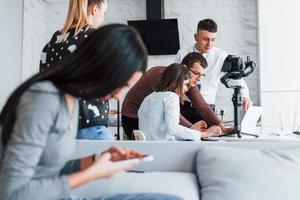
pixel 199 75
pixel 205 38
pixel 196 64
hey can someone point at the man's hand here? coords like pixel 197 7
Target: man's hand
pixel 247 103
pixel 200 126
pixel 212 131
pixel 227 130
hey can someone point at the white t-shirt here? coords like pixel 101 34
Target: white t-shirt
pixel 209 84
pixel 159 118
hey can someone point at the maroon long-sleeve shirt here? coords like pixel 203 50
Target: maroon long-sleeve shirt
pixel 147 84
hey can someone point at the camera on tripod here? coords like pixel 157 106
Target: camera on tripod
pixel 235 68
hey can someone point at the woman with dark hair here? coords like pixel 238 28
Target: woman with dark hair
pixel 39 120
pixel 83 17
pixel 159 113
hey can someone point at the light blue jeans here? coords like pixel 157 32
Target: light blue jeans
pixel 100 132
pixel 140 196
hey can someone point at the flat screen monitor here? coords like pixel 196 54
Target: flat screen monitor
pixel 160 35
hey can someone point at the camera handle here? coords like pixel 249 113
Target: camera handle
pixel 237 101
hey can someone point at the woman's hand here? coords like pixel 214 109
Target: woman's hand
pixel 122 154
pixel 200 126
pixel 212 131
pixel 104 166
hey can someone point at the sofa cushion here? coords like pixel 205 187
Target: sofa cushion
pixel 184 185
pixel 248 174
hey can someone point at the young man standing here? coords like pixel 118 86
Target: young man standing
pixel 205 39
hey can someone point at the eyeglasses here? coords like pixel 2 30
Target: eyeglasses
pixel 198 74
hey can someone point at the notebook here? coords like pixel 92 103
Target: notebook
pixel 248 124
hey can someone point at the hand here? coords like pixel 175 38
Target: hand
pixel 104 167
pixel 247 103
pixel 122 154
pixel 212 131
pixel 200 126
pixel 227 130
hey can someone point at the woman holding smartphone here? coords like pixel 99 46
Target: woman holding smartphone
pixel 39 121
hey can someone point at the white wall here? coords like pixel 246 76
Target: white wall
pixel 34 35
pixel 237 21
pixel 11 19
pixel 237 34
pixel 279 46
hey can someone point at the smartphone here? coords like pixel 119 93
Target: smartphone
pixel 145 158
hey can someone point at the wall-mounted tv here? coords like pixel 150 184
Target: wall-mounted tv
pixel 160 35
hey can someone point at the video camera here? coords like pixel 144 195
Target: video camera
pixel 235 68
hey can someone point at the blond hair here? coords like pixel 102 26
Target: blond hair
pixel 78 14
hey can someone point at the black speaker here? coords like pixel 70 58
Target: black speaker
pixel 155 9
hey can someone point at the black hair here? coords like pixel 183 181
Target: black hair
pixel 172 79
pixel 192 58
pixel 103 63
pixel 207 25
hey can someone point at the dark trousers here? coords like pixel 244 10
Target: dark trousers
pixel 191 113
pixel 129 124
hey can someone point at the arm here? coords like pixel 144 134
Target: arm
pixel 184 121
pixel 19 178
pixel 245 94
pixel 104 166
pixel 205 110
pixel 247 103
pixel 84 163
pixel 77 165
pixel 25 148
pixel 202 107
pixel 171 112
pixel 245 89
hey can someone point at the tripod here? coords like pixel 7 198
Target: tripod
pixel 237 102
pixel 235 69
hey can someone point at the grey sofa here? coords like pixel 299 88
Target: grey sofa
pixel 173 169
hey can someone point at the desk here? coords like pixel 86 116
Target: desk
pixel 261 138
